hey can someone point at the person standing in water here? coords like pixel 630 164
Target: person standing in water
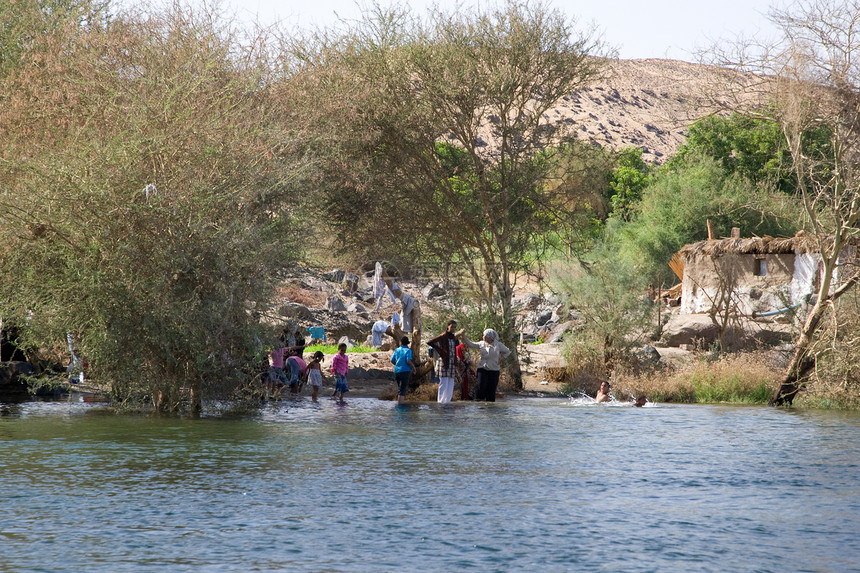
pixel 445 346
pixel 467 375
pixel 493 352
pixel 298 370
pixel 403 368
pixel 277 378
pixel 340 368
pixel 315 375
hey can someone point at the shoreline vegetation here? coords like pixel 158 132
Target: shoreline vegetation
pixel 705 378
pixel 177 170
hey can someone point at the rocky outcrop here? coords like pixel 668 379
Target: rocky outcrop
pixel 699 331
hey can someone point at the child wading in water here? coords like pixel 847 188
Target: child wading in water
pixel 315 376
pixel 403 368
pixel 339 368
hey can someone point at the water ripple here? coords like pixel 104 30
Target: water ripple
pixel 369 486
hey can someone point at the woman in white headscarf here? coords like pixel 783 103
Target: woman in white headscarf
pixel 493 352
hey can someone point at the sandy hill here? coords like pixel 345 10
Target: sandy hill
pixel 642 103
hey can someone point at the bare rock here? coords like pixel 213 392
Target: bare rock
pixel 335 276
pixel 295 311
pixel 647 354
pixel 544 318
pixel 433 290
pixel 351 282
pixel 689 329
pixel 335 303
pixel 531 301
pixel 557 332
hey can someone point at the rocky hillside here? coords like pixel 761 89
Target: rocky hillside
pixel 642 103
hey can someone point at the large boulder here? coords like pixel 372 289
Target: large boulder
pixel 295 311
pixel 433 290
pixel 698 330
pixel 335 304
pixel 689 329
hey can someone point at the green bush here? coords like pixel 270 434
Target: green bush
pixel 734 388
pixel 332 349
pixel 675 208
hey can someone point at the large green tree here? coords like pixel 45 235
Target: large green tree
pixel 380 100
pixel 752 147
pixel 142 199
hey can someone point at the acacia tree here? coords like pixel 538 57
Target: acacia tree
pixel 436 135
pixel 810 83
pixel 141 198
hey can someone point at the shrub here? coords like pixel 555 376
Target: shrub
pixel 612 312
pixel 743 378
pixel 835 382
pixel 674 211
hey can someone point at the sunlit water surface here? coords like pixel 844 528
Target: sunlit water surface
pixel 520 485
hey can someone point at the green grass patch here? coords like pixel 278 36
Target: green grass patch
pixel 332 349
pixel 746 378
pixel 732 388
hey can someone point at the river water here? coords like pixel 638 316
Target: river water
pixel 520 485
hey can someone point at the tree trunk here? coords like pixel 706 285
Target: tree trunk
pixel 415 346
pixel 512 338
pixel 801 362
pixel 514 369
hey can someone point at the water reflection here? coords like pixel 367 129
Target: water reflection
pixel 549 485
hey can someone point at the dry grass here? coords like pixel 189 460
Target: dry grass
pixel 424 393
pixel 389 394
pixel 748 378
pixel 834 396
pixel 306 297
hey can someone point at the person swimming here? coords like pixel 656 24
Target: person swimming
pixel 603 393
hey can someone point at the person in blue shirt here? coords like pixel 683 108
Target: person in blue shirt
pixel 403 368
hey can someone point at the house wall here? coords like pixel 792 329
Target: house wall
pixel 708 280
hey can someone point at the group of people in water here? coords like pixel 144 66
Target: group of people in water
pixel 449 352
pixel 451 361
pixel 288 369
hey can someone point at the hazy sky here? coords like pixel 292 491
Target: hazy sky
pixel 637 28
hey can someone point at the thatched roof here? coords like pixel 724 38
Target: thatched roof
pixel 799 244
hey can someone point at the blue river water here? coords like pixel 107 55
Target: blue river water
pixel 520 485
